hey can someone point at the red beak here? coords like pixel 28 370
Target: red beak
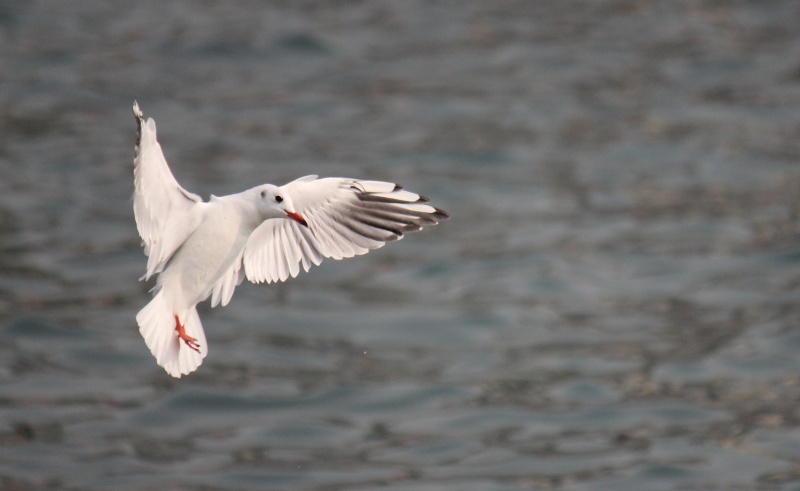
pixel 297 218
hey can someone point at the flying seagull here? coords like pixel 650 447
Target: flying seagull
pixel 201 249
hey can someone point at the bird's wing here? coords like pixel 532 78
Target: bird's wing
pixel 166 214
pixel 346 218
pixel 223 290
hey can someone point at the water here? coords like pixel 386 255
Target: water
pixel 613 305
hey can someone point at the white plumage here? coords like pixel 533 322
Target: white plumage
pixel 266 234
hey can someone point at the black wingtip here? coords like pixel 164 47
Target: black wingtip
pixel 441 214
pixel 137 113
pixel 136 110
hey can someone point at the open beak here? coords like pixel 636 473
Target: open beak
pixel 297 218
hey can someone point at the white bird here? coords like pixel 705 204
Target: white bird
pixel 205 249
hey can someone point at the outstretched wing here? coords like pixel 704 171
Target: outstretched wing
pixel 346 218
pixel 166 214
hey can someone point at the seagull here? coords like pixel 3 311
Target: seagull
pixel 201 249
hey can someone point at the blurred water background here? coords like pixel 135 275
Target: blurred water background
pixel 613 306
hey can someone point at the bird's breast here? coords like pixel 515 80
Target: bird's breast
pixel 207 254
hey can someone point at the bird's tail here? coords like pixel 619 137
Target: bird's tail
pixel 157 326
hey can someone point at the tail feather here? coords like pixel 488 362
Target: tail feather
pixel 157 326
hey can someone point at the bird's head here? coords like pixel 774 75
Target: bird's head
pixel 274 203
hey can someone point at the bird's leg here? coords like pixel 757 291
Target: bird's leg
pixel 190 341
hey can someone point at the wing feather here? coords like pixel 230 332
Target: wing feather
pixel 222 292
pixel 346 218
pixel 166 214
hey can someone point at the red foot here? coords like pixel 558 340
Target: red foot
pixel 190 341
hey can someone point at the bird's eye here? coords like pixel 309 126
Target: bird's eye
pixel 279 198
pixel 263 194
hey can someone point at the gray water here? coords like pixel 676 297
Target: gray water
pixel 613 306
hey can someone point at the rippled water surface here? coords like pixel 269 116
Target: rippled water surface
pixel 613 306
